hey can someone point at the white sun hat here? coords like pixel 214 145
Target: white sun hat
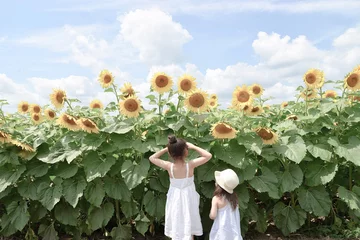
pixel 227 180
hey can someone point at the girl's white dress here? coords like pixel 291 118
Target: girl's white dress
pixel 182 217
pixel 226 225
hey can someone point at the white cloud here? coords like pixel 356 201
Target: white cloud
pixel 155 35
pixel 350 38
pixel 3 39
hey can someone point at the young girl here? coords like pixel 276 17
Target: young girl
pixel 182 217
pixel 224 207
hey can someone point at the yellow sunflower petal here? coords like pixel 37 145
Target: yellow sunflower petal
pixel 96 104
pixel 357 68
pixel 69 122
pixel 50 114
pixel 197 101
pixel 106 78
pixel 127 90
pixel 213 103
pixel 35 108
pixel 23 107
pixel 87 125
pixel 223 130
pixel 242 96
pixel 284 104
pixel 330 94
pixel 314 78
pixel 267 135
pixel 213 96
pixel 354 98
pixel 267 107
pixel 309 94
pixel 186 84
pixel 257 90
pixel 161 82
pixel 57 98
pixel 5 137
pixel 130 107
pixel 22 146
pixel 36 118
pixel 352 81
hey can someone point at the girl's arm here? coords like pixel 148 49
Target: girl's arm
pixel 214 208
pixel 205 156
pixel 155 159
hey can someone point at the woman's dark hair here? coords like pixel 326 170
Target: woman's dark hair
pixel 176 147
pixel 231 197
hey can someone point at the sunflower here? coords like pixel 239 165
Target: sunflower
pixel 314 78
pixel 255 111
pixel 36 118
pixel 127 90
pixel 57 98
pixel 166 111
pixel 222 130
pixel 105 78
pixel 267 107
pixel 5 137
pixel 354 98
pixel 186 84
pixel 292 117
pixel 69 122
pixel 161 82
pixel 257 90
pixel 330 94
pixel 267 135
pixel 22 146
pixel 309 94
pixel 352 81
pixel 242 96
pixel 35 108
pixel 213 97
pixel 50 114
pixel 284 104
pixel 130 107
pixel 197 101
pixel 23 107
pixel 96 104
pixel 213 103
pixel 87 125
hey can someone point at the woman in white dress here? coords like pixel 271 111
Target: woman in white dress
pixel 182 217
pixel 224 207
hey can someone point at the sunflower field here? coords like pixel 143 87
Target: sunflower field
pixel 72 170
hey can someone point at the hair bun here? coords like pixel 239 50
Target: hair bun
pixel 172 139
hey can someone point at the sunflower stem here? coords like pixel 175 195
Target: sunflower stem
pixel 68 103
pixel 160 104
pixel 115 92
pixel 2 115
pixel 350 177
pixel 306 101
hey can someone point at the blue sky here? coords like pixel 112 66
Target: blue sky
pixel 45 44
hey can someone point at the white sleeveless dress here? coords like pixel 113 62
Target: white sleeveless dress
pixel 226 225
pixel 182 217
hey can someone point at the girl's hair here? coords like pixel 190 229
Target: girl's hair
pixel 176 147
pixel 231 197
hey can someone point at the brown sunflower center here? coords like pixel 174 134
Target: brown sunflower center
pixel 60 97
pixel 185 85
pixel 25 107
pixel 352 80
pixel 51 114
pixel 310 78
pixel 197 100
pixel 223 129
pixel 213 97
pixel 69 120
pixel 37 109
pixel 161 81
pixel 265 134
pixel 36 117
pixel 285 104
pixel 107 78
pixel 255 109
pixel 212 104
pixel 246 108
pixel 330 95
pixel 131 105
pixel 96 105
pixel 243 96
pixel 88 123
pixel 256 89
